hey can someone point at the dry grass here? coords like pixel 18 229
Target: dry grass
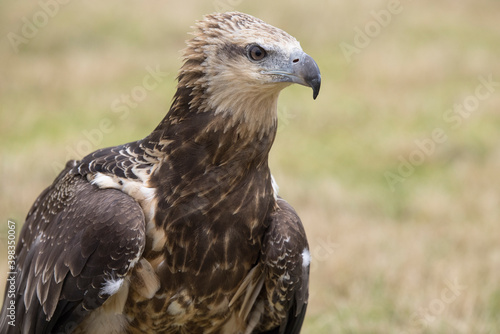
pixel 383 258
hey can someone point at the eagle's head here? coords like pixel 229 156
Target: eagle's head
pixel 236 65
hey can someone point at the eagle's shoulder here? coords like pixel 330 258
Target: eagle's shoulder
pixel 274 294
pixel 286 255
pixel 76 247
pixel 132 161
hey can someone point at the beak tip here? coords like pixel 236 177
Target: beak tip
pixel 311 74
pixel 315 85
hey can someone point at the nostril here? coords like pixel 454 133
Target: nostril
pixel 296 60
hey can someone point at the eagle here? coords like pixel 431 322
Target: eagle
pixel 182 231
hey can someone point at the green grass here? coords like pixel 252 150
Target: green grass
pixel 379 254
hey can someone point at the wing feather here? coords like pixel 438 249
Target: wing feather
pixel 75 239
pixel 287 275
pixel 280 280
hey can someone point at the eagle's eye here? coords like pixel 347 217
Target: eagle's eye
pixel 256 53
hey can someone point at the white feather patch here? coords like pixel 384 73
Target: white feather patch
pixel 276 188
pixel 175 308
pixel 105 181
pixel 110 287
pixel 148 193
pixel 306 258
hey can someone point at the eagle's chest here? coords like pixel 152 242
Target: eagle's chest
pixel 208 240
pixel 201 246
pixel 214 222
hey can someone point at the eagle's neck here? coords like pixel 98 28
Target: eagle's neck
pixel 219 128
pixel 213 172
pixel 213 175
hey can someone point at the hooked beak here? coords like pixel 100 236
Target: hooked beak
pixel 301 69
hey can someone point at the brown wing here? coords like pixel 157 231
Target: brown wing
pixel 77 244
pixel 287 258
pixel 274 294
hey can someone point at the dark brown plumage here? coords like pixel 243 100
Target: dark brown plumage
pixel 182 231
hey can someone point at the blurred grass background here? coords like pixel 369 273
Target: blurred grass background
pixel 383 256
